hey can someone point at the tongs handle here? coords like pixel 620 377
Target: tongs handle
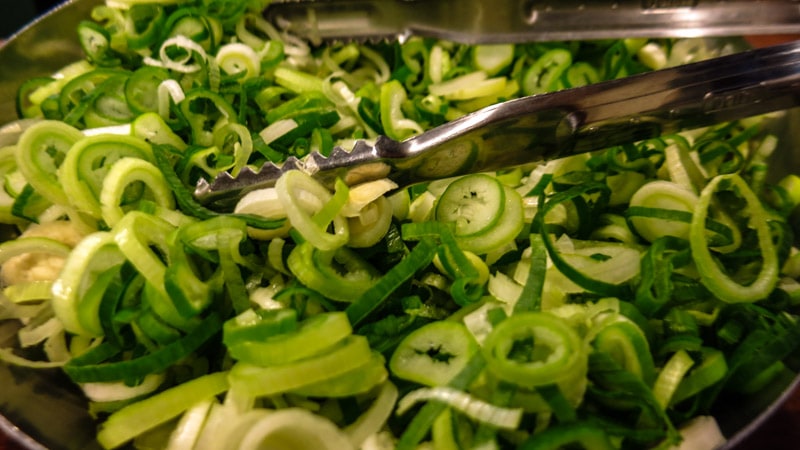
pixel 502 21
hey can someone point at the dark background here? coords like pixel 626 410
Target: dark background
pixel 17 13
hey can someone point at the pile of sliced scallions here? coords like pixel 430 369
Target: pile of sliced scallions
pixel 606 300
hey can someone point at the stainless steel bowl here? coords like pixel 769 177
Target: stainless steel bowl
pixel 42 409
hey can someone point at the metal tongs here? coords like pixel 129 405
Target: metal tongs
pixel 502 21
pixel 554 125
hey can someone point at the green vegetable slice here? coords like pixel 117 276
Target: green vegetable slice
pixel 41 151
pixel 141 416
pixel 123 187
pixel 545 73
pixel 317 269
pixel 304 198
pixel 96 43
pixel 359 380
pixel 88 163
pixel 712 276
pixel 99 89
pixel 351 353
pixel 253 325
pixel 627 344
pixel 141 89
pixel 420 257
pixel 90 367
pixel 433 354
pixel 534 349
pixel 473 203
pixel 492 59
pixel 93 255
pixel 486 214
pixel 314 336
pixel 663 195
pixel 589 436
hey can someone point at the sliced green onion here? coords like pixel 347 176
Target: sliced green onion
pixel 41 152
pixel 137 235
pixel 663 195
pixel 187 431
pixel 297 81
pixel 313 337
pixel 257 381
pixel 317 269
pixel 712 276
pixel 371 225
pixel 259 325
pixel 371 422
pixel 93 255
pixel 141 416
pixel 151 128
pixel 395 124
pixel 357 381
pixel 116 391
pixel 122 178
pixel 237 58
pixel 141 89
pixel 88 163
pixel 534 349
pixel 670 377
pixel 30 291
pixel 587 435
pixel 530 298
pixel 466 404
pixel 186 48
pixel 711 370
pixel 293 428
pixel 492 59
pixel 546 71
pixel 85 368
pixel 302 198
pixel 486 214
pixel 420 257
pixel 626 343
pixel 424 419
pixel 206 111
pixel 702 432
pixel 8 356
pixel 433 354
pixel 264 203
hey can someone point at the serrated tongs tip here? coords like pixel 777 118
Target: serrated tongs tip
pixel 349 165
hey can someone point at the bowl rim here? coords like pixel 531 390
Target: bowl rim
pixel 18 436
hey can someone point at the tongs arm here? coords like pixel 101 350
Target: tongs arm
pixel 502 21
